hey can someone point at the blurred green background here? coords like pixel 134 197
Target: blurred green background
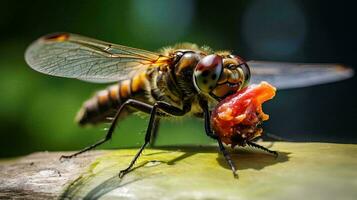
pixel 37 111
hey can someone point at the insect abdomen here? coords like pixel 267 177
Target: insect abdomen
pixel 105 103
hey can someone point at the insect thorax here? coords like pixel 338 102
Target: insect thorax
pixel 174 84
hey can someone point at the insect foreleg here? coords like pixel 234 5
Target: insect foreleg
pixel 228 158
pixel 210 133
pixel 252 144
pixel 206 114
pixel 155 132
pixel 158 106
pixel 144 107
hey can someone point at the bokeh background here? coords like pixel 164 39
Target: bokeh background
pixel 37 111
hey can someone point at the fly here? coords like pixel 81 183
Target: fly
pixel 177 81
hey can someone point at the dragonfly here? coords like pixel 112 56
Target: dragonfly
pixel 177 81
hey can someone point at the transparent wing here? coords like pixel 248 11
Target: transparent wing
pixel 74 56
pixel 294 75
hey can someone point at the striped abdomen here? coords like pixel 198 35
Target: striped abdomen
pixel 106 102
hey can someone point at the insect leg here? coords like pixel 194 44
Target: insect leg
pixel 155 132
pixel 252 144
pixel 228 158
pixel 211 134
pixel 208 129
pixel 158 106
pixel 129 103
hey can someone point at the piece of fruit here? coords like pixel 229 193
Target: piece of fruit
pixel 237 118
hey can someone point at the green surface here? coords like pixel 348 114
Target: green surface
pixel 302 171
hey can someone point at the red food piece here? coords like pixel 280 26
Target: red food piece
pixel 236 118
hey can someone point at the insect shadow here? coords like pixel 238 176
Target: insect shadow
pixel 246 158
pixel 249 158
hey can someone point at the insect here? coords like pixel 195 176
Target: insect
pixel 177 81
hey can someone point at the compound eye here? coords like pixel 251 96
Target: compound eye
pixel 207 72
